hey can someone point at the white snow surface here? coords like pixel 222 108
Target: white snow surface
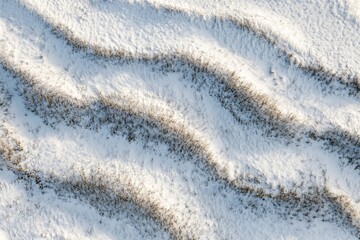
pixel 188 198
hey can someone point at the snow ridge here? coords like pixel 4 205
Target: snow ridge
pixel 193 135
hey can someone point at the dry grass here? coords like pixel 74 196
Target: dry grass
pixel 235 96
pixel 147 127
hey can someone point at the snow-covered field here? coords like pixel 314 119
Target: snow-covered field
pixel 164 119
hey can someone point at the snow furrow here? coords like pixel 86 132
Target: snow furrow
pixel 93 178
pixel 291 39
pixel 210 114
pixel 260 28
pixel 234 92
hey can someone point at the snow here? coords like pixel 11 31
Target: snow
pixel 179 191
pixel 42 214
pixel 285 86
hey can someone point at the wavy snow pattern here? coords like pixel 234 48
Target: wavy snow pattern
pixel 63 79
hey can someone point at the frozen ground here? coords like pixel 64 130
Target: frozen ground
pixel 179 119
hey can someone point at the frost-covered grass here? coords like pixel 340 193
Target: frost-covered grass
pixel 196 118
pixel 95 160
pixel 30 212
pixel 274 78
